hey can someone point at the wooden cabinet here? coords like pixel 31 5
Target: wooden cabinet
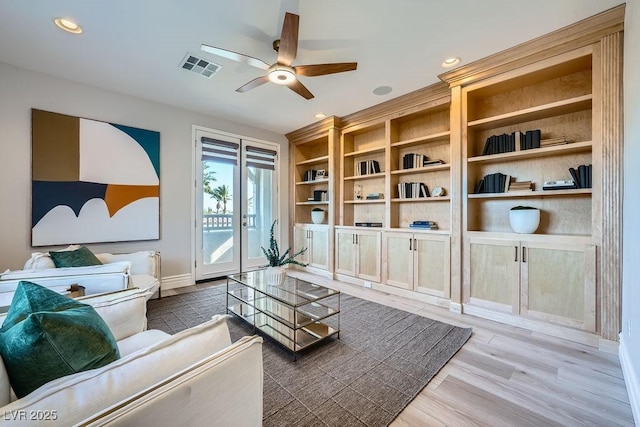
pixel 358 253
pixel 552 281
pixel 316 239
pixel 418 262
pixel 314 175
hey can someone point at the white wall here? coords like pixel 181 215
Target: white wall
pixel 21 90
pixel 630 336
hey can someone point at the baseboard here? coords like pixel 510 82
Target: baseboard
pixel 455 307
pixel 177 281
pixel 630 379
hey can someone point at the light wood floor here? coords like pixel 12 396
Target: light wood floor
pixel 507 376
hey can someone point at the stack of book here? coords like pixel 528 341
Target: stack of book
pixel 414 160
pixel 375 196
pixel 530 139
pixel 497 144
pixel 412 190
pixel 425 225
pixel 493 183
pixel 367 167
pixel 520 186
pixel 582 176
pixel 553 141
pixel 310 175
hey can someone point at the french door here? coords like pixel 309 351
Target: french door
pixel 236 202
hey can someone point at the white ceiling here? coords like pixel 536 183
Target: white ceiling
pixel 135 47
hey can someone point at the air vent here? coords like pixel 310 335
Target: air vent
pixel 200 66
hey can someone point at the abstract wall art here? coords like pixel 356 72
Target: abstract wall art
pixel 92 181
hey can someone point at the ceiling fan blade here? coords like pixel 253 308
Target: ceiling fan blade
pixel 235 56
pixel 253 84
pixel 289 39
pixel 322 69
pixel 300 89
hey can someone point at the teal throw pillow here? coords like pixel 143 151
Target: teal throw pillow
pixel 47 336
pixel 79 258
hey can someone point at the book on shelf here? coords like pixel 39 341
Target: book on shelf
pixel 367 167
pixel 532 139
pixel 413 190
pixel 582 176
pixel 425 225
pixel 415 160
pixel 320 196
pixel 494 183
pixel 550 142
pixel 520 186
pixel 505 143
pixel 375 196
pixel 309 175
pixel 368 224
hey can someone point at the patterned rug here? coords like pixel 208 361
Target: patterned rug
pixel 383 359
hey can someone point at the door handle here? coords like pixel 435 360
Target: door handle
pixel 516 248
pixel 524 254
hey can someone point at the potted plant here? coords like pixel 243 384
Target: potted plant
pixel 275 273
pixel 317 215
pixel 524 219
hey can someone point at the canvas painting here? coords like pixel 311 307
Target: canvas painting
pixel 93 181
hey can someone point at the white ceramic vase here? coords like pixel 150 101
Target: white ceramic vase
pixel 524 221
pixel 275 275
pixel 317 217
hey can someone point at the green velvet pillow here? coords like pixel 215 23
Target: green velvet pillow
pixel 47 336
pixel 79 258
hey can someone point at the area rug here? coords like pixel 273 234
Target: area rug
pixel 383 359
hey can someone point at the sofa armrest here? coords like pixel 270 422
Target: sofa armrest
pixel 223 389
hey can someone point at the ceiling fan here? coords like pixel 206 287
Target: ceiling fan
pixel 282 72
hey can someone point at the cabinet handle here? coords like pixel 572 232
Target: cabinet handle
pixel 524 254
pixel 410 241
pixel 357 239
pixel 353 239
pixel 516 248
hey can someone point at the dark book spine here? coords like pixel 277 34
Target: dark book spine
pixel 536 136
pixel 574 175
pixel 582 174
pixel 589 176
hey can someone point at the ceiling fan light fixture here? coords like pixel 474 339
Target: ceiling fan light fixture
pixel 450 62
pixel 68 25
pixel 281 74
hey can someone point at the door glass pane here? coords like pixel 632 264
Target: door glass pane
pixel 218 222
pixel 260 187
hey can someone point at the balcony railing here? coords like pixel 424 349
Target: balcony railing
pixel 215 222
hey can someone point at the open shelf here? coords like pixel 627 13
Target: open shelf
pixel 575 147
pixel 311 203
pixel 534 194
pixel 422 140
pixel 565 106
pixel 421 200
pixel 363 202
pixel 365 151
pixel 314 161
pixel 369 176
pixel 432 168
pixel 317 181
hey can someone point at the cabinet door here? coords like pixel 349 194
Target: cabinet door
pixel 345 252
pixel 397 259
pixel 319 244
pixel 300 241
pixel 558 283
pixel 431 265
pixel 368 265
pixel 492 274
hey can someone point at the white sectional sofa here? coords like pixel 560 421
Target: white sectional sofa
pixel 119 271
pixel 195 377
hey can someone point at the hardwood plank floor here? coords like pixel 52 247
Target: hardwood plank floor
pixel 506 376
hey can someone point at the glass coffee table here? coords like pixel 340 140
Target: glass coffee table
pixel 297 314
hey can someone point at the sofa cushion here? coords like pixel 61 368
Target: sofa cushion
pixel 40 260
pixel 141 340
pixel 127 376
pixel 125 312
pixel 46 336
pixel 81 257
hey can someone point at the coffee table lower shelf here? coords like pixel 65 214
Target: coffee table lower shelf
pixel 294 339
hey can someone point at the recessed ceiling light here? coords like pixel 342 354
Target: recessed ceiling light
pixel 382 90
pixel 320 115
pixel 450 62
pixel 68 25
